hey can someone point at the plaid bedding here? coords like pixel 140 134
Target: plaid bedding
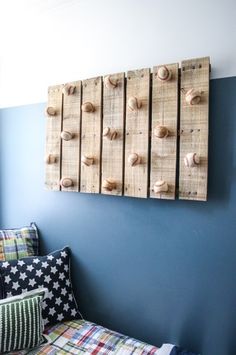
pixel 83 337
pixel 19 243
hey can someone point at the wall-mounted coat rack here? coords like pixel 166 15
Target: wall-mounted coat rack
pixel 118 134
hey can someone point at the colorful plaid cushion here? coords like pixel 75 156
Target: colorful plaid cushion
pixel 19 243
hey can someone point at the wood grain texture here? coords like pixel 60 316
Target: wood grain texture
pixel 71 148
pixel 163 150
pixel 137 134
pixel 113 119
pixel 194 129
pixel 91 135
pixel 53 140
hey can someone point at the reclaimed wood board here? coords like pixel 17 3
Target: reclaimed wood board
pixel 137 133
pixel 70 164
pixel 194 129
pixel 91 135
pixel 113 138
pixel 164 118
pixel 53 140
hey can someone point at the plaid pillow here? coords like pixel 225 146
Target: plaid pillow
pixel 19 243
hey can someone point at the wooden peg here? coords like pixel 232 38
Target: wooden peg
pixel 191 160
pixel 66 182
pixel 50 159
pixel 163 73
pixel 68 89
pixel 109 184
pixel 160 186
pixel 134 159
pixel 134 104
pixel 87 160
pixel 87 107
pixel 50 111
pixel 161 132
pixel 109 134
pixel 193 97
pixel 66 136
pixel 110 82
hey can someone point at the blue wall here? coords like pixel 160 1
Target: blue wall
pixel 161 271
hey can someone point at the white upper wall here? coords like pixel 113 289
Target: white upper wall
pixel 46 42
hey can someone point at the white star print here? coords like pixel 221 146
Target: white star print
pixel 32 282
pixel 44 305
pixel 66 307
pixel 52 311
pixel 66 268
pixel 63 254
pixel 9 294
pixel 53 269
pixel 36 261
pixel 7 279
pixel 59 261
pixel 50 257
pixel 23 276
pixel 71 297
pixel 56 285
pixel 61 276
pixel 63 291
pixel 30 268
pixel 20 262
pixel 24 290
pixel 44 264
pixel 67 282
pixel 49 295
pixel 45 321
pixel 47 278
pixel 5 264
pixel 58 301
pixel 39 273
pixel 73 312
pixel 60 317
pixel 15 285
pixel 14 269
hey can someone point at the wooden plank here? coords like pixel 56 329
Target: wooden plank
pixel 53 140
pixel 113 134
pixel 71 124
pixel 194 129
pixel 91 135
pixel 164 131
pixel 137 133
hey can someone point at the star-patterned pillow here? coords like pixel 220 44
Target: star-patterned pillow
pixel 52 272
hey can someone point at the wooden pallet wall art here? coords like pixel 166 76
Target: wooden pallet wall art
pixel 125 134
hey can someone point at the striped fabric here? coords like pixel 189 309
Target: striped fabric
pixel 83 337
pixel 19 243
pixel 21 324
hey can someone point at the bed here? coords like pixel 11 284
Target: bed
pixel 83 337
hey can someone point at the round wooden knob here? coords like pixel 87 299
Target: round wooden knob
pixel 110 82
pixel 87 160
pixel 66 136
pixel 160 186
pixel 109 134
pixel 134 159
pixel 50 111
pixel 66 182
pixel 87 107
pixel 163 73
pixel 191 160
pixel 69 89
pixel 109 184
pixel 50 159
pixel 193 97
pixel 134 104
pixel 161 132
